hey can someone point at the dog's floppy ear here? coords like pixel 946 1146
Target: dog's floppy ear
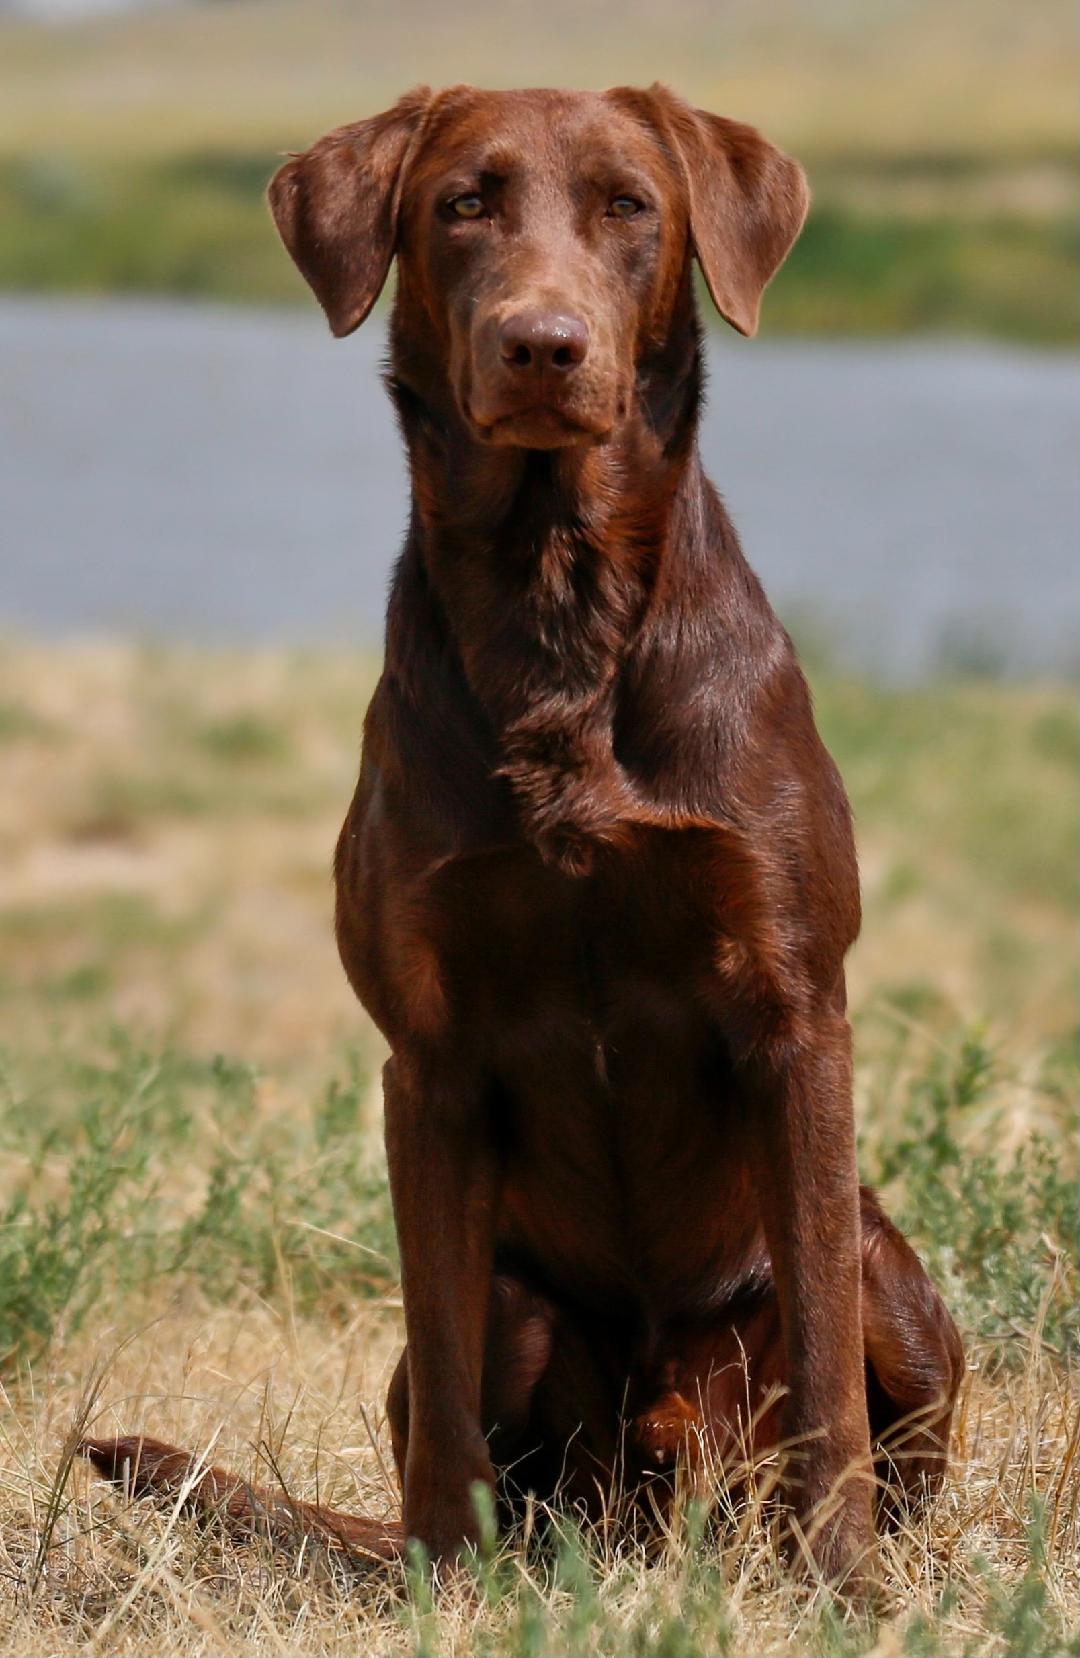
pixel 336 208
pixel 747 203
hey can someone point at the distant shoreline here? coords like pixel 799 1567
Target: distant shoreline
pixel 203 471
pixel 892 246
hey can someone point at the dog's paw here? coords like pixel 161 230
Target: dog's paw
pixel 669 1430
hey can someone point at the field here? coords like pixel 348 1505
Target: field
pixel 939 139
pixel 196 1236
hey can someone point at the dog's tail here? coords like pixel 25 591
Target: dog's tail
pixel 145 1467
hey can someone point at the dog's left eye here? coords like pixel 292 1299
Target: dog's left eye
pixel 625 207
pixel 470 206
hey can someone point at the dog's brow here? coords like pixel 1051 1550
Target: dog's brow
pixel 472 165
pixel 604 171
pixel 500 162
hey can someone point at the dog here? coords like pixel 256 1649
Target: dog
pixel 597 882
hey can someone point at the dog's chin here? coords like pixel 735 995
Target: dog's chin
pixel 543 427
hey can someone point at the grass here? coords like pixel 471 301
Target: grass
pixel 940 139
pixel 975 79
pixel 194 1229
pixel 875 264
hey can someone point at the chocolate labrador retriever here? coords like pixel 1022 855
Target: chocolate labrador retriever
pixel 597 882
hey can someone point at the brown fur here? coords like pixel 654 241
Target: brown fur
pixel 597 882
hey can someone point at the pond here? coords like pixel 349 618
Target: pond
pixel 220 474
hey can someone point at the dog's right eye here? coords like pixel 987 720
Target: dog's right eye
pixel 469 206
pixel 625 207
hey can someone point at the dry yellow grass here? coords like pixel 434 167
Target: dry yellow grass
pixel 971 77
pixel 166 823
pixel 117 1580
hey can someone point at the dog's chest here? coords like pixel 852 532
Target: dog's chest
pixel 588 1005
pixel 531 955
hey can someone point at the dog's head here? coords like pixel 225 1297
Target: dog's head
pixel 542 239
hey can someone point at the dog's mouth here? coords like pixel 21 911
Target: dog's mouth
pixel 539 426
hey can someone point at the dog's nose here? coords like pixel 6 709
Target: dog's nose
pixel 543 340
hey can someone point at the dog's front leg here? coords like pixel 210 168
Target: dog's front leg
pixel 443 1178
pixel 804 1160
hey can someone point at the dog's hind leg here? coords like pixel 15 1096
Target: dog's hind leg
pixel 729 1372
pixel 914 1365
pixel 517 1350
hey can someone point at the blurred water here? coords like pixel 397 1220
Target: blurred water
pixel 220 474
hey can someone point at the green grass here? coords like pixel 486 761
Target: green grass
pixel 997 1235
pixel 195 1232
pixel 860 272
pixel 256 1213
pixel 940 140
pixel 867 263
pixel 291 1206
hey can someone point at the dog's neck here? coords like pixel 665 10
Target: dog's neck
pixel 539 568
pixel 545 530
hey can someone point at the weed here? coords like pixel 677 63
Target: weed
pixel 243 737
pixel 266 1215
pixel 998 1232
pixel 193 1205
pixel 198 225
